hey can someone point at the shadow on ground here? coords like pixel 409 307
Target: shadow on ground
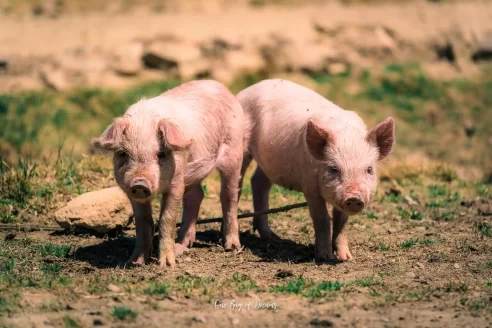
pixel 113 253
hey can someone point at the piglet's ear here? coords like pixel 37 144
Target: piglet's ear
pixel 383 137
pixel 110 139
pixel 318 139
pixel 173 138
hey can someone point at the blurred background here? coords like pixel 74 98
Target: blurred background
pixel 67 68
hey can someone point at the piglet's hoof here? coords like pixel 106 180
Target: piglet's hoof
pixel 232 243
pixel 180 249
pixel 343 254
pixel 167 259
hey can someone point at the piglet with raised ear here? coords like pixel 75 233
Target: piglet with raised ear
pixel 302 141
pixel 169 144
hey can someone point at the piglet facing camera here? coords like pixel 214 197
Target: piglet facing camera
pixel 302 141
pixel 169 144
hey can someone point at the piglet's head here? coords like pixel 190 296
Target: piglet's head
pixel 146 155
pixel 347 171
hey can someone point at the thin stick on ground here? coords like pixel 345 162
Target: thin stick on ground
pixel 7 227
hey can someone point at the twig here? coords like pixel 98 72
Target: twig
pixel 17 227
pixel 250 215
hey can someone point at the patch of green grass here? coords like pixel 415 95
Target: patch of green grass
pixel 307 288
pixel 276 189
pixel 481 188
pixel 5 216
pixel 304 229
pixel 488 265
pixel 8 301
pixel 394 198
pixel 456 287
pixel 421 294
pixel 427 242
pixel 246 191
pixel 244 283
pixel 70 322
pixel 485 229
pixel 51 268
pixel 54 250
pixel 437 190
pixel 157 288
pixel 405 88
pixel 464 247
pixel 247 286
pixel 323 288
pixel 436 204
pixel 96 286
pixel 476 304
pixel 292 286
pixel 444 173
pixel 416 215
pixel 382 247
pixel 7 266
pixel 367 282
pixel 16 183
pixel 448 216
pixel 188 283
pixel 408 243
pixel 205 190
pixel 403 213
pixel 123 313
pixel 371 215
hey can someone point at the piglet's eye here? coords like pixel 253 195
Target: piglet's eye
pixel 162 155
pixel 333 169
pixel 122 154
pixel 370 170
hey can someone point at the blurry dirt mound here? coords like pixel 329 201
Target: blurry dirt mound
pixel 114 49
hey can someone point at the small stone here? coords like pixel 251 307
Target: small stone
pixel 167 55
pixel 321 323
pixel 114 288
pixel 410 201
pixel 54 78
pixel 485 209
pixel 420 265
pixel 100 211
pixel 411 274
pixel 456 266
pixel 198 318
pixel 337 68
pixel 187 259
pixel 282 274
pixel 10 236
pixel 127 60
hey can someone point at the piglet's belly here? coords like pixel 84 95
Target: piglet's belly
pixel 283 174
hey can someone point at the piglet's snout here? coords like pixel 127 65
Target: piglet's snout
pixel 140 189
pixel 353 204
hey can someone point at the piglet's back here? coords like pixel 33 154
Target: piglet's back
pixel 283 106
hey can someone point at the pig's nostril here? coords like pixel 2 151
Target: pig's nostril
pixel 146 192
pixel 134 191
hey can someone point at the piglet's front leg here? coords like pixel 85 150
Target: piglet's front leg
pixel 167 222
pixel 340 241
pixel 322 230
pixel 144 230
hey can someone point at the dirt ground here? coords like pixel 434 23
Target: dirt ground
pixel 424 265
